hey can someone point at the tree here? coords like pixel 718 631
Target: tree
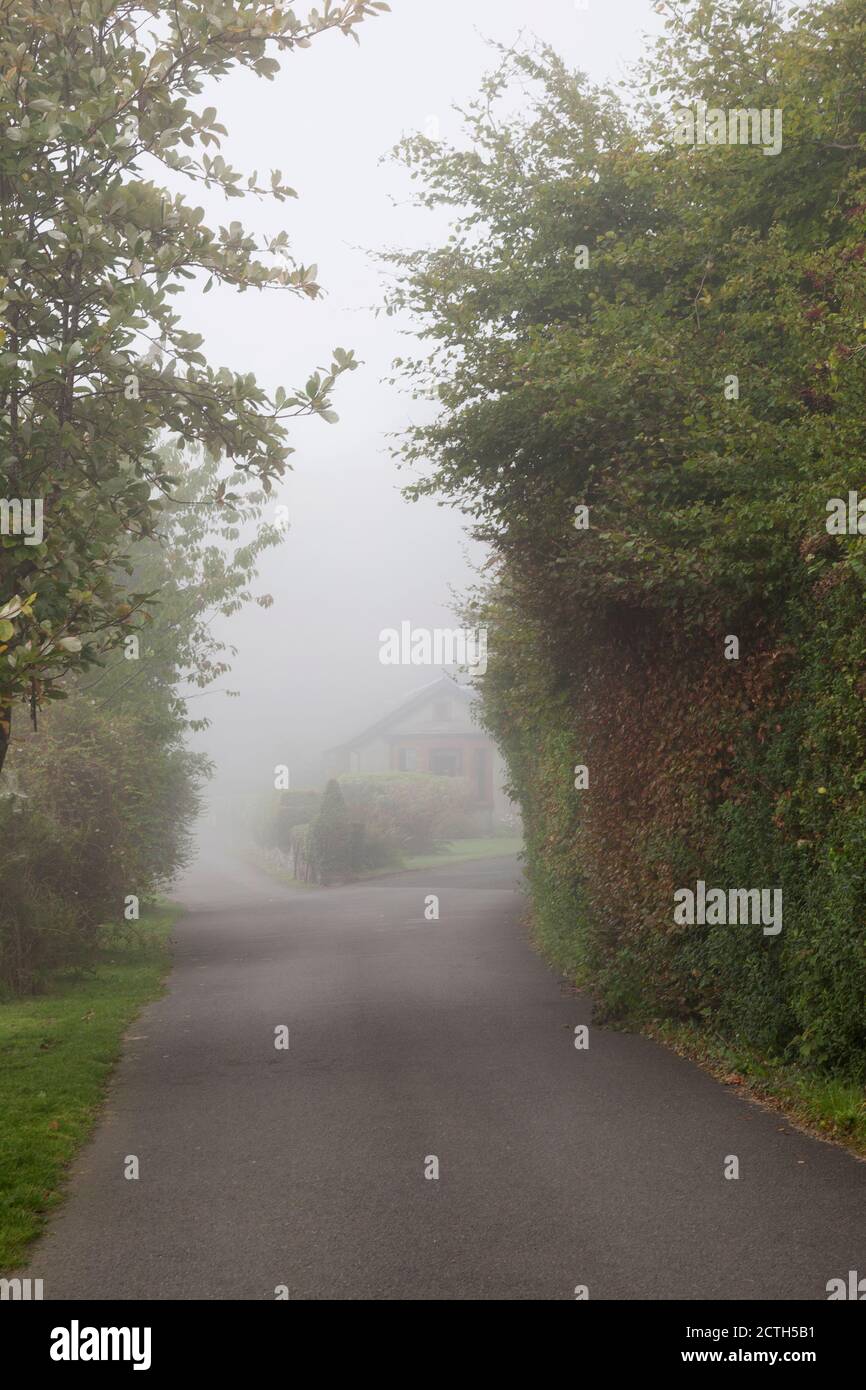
pixel 95 367
pixel 212 533
pixel 100 805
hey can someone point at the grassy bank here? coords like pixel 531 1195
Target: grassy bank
pixel 57 1051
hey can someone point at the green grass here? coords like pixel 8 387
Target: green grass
pixel 57 1051
pixel 490 847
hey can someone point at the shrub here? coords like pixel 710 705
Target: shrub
pixel 329 839
pixel 85 821
pixel 408 812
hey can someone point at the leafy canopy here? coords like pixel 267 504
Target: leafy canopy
pixel 97 105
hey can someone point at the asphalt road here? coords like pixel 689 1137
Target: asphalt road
pixel 411 1039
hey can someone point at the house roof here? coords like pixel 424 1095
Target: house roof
pixel 443 684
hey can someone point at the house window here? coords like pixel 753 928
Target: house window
pixel 407 759
pixel 446 762
pixel 441 711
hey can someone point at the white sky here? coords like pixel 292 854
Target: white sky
pixel 358 558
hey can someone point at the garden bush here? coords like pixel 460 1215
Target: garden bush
pixel 86 821
pixel 408 812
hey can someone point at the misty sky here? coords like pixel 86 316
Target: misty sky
pixel 357 558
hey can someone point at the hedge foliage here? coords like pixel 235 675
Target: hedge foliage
pixel 611 388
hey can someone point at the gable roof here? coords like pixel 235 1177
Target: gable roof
pixel 443 685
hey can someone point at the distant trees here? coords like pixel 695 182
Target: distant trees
pixel 96 101
pixel 648 360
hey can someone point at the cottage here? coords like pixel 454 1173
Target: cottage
pixel 432 731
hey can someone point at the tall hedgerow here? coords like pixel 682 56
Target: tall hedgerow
pixel 671 338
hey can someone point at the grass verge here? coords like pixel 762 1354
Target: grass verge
pixel 57 1052
pixel 489 847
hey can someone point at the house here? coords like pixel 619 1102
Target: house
pixel 432 731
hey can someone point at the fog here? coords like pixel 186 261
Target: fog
pixel 357 557
pixel 312 987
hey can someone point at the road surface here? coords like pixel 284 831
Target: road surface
pixel 265 1169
